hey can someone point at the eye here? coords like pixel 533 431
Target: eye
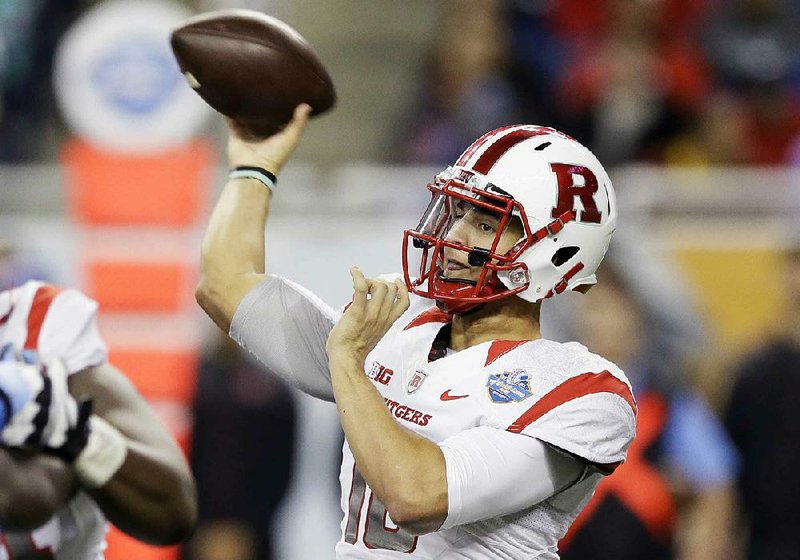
pixel 486 228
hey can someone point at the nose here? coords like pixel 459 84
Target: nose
pixel 458 233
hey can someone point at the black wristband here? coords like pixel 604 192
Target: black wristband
pixel 268 178
pixel 269 174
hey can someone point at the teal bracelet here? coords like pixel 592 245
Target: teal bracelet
pixel 260 174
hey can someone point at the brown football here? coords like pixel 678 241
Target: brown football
pixel 252 68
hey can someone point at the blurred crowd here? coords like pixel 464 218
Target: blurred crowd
pixel 670 82
pixel 678 82
pixel 29 33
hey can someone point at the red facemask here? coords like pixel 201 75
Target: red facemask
pixel 458 296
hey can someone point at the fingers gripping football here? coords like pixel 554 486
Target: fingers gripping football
pixel 51 419
pixel 376 305
pixel 270 153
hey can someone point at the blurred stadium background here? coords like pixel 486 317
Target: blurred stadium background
pixel 693 104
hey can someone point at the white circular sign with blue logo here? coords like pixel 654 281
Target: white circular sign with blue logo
pixel 118 83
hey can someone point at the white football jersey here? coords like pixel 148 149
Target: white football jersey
pixel 41 321
pixel 558 393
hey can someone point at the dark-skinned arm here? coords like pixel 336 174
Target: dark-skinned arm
pixel 34 487
pixel 152 496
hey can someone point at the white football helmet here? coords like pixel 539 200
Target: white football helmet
pixel 557 189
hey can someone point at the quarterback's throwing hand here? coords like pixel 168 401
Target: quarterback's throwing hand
pixel 376 305
pixel 270 153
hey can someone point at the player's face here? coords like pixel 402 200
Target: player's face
pixel 475 227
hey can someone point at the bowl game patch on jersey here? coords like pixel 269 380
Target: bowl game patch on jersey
pixel 509 386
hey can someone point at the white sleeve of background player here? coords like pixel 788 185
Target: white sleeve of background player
pixel 591 415
pixel 493 472
pixel 286 328
pixel 69 332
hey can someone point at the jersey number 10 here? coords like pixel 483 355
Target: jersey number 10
pixel 379 531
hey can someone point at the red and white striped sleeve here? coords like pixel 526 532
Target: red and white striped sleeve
pixel 591 415
pixel 62 324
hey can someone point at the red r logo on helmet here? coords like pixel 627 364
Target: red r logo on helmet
pixel 568 190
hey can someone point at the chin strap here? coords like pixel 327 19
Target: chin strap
pixel 450 288
pixel 554 227
pixel 493 284
pixel 561 285
pixel 458 308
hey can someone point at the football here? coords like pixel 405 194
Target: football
pixel 252 68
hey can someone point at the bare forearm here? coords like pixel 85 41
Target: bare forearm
pixel 233 248
pixel 234 240
pixel 149 491
pixel 406 471
pixel 156 507
pixel 34 488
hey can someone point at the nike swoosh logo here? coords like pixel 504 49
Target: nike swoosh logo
pixel 446 396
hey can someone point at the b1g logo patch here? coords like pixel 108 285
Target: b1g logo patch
pixel 509 386
pixel 380 373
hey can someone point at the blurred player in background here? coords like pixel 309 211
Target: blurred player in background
pixel 467 434
pixel 764 423
pixel 242 470
pixel 80 447
pixel 672 497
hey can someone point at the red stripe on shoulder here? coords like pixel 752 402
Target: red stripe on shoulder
pixel 433 315
pixel 41 303
pixel 501 347
pixel 573 388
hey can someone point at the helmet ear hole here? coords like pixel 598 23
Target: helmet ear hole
pixel 563 255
